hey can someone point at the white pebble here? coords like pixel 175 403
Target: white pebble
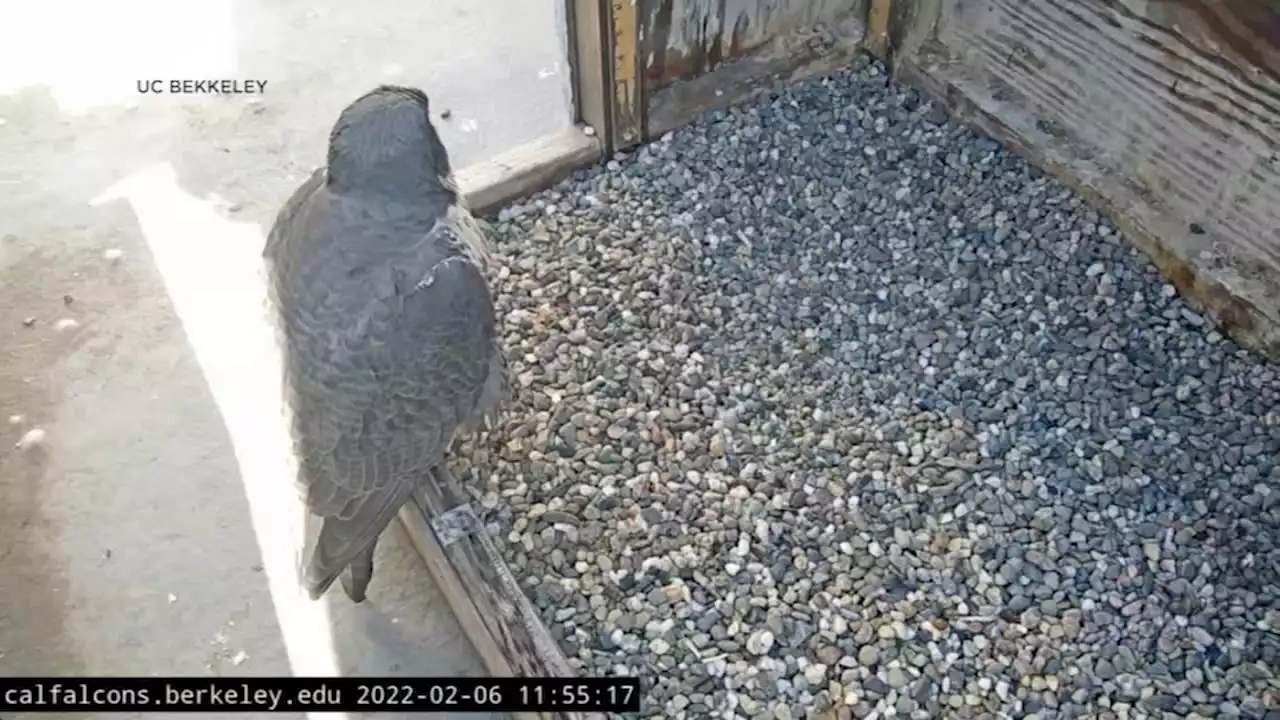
pixel 760 642
pixel 32 438
pixel 113 254
pixel 65 324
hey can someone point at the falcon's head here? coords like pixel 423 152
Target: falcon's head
pixel 384 141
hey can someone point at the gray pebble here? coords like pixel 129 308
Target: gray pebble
pixel 868 655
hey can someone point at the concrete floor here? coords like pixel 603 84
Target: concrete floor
pixel 151 533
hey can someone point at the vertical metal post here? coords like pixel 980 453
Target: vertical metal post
pixel 604 42
pixel 628 117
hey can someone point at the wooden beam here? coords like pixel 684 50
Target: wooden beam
pixel 526 169
pixel 607 87
pixel 628 109
pixel 877 39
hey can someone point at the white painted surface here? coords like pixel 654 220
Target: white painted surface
pixel 499 67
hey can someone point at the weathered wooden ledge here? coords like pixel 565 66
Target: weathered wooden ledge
pixel 524 170
pixel 493 611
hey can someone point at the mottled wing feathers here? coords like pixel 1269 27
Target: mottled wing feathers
pixel 452 313
pixel 388 336
pixel 342 541
pixel 425 366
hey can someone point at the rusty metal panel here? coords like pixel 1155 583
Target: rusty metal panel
pixel 685 39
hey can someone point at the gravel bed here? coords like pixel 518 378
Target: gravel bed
pixel 828 407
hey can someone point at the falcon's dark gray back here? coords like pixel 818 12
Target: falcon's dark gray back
pixel 386 323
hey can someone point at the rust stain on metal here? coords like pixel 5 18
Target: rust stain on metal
pixel 685 39
pixel 768 43
pixel 656 36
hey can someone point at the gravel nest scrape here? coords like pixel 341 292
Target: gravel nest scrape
pixel 825 409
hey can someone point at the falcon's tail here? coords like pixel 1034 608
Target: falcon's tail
pixel 327 562
pixel 356 580
pixel 350 541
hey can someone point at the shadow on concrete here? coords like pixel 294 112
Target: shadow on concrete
pixel 138 538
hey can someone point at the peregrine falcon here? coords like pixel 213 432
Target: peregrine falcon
pixel 376 271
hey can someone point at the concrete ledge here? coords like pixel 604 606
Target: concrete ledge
pixel 526 169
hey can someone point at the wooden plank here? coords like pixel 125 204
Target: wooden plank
pixel 877 39
pixel 492 609
pixel 1166 115
pixel 492 654
pixel 628 116
pixel 490 184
